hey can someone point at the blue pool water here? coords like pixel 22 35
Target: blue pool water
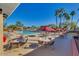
pixel 26 32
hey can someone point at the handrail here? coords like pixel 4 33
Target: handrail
pixel 74 48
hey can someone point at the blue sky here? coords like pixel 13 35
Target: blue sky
pixel 39 13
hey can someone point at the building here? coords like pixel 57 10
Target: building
pixel 1 31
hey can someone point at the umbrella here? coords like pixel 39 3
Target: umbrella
pixel 46 29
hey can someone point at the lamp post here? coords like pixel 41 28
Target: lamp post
pixel 1 32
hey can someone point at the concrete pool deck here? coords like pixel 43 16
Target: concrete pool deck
pixel 63 47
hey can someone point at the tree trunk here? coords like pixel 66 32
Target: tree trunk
pixel 56 22
pixel 60 22
pixel 71 22
pixel 72 19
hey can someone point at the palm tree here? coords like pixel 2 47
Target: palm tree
pixel 77 23
pixel 67 18
pixel 77 19
pixel 72 15
pixel 56 14
pixel 73 25
pixel 60 15
pixel 20 25
pixel 33 27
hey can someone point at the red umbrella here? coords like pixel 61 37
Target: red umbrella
pixel 60 29
pixel 46 28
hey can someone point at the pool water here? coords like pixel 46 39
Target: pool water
pixel 26 32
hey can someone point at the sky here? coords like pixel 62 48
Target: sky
pixel 39 13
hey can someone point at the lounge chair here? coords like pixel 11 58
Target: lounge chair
pixel 50 43
pixel 13 42
pixel 7 46
pixel 18 41
pixel 47 43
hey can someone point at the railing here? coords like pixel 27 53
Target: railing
pixel 74 48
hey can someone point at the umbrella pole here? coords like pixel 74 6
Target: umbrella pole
pixel 45 35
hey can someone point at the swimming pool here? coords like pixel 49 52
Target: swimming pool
pixel 27 32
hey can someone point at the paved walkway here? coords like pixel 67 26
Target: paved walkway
pixel 63 47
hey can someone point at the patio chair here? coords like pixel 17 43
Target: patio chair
pixel 7 46
pixel 49 44
pixel 18 42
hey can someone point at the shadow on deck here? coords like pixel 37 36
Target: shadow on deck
pixel 63 47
